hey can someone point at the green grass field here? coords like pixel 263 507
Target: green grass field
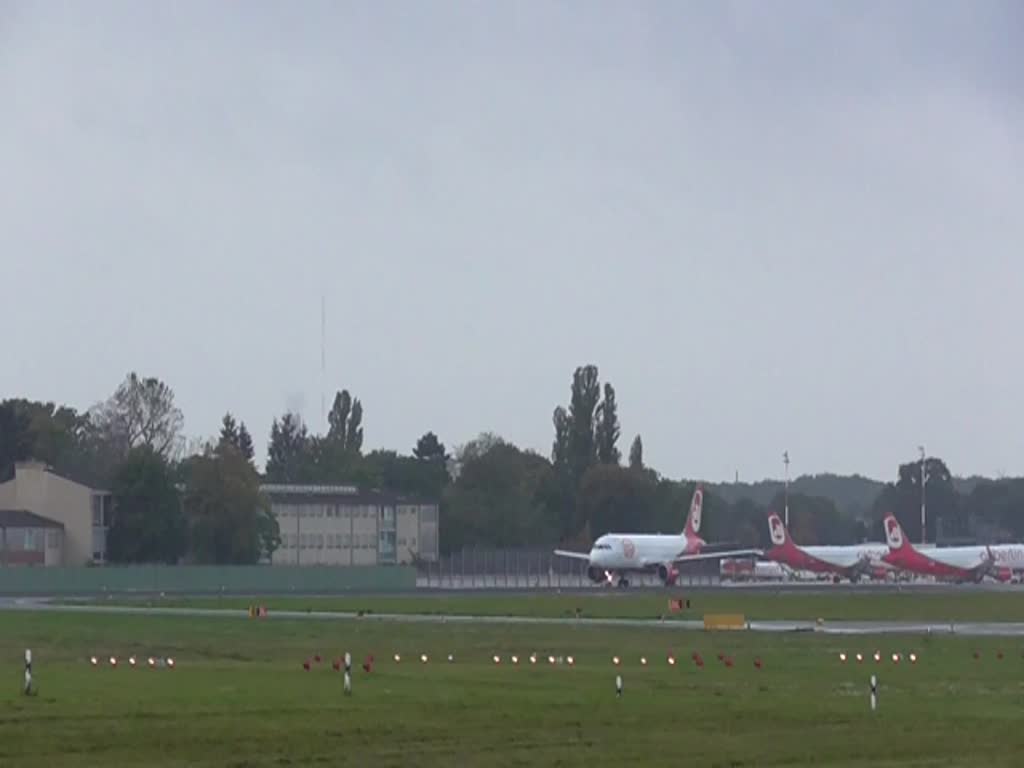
pixel 909 605
pixel 239 697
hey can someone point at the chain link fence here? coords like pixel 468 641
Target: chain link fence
pixel 535 569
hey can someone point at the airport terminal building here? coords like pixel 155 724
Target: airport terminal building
pixel 342 525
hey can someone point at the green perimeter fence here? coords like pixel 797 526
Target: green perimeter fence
pixel 201 579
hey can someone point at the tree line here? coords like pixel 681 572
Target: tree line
pixel 201 502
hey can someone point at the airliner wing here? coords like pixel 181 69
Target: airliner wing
pixel 573 555
pixel 718 555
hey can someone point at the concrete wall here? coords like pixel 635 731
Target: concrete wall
pixel 204 580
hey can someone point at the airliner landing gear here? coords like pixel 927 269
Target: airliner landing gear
pixel 623 582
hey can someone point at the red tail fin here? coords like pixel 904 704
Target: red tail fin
pixel 779 534
pixel 894 535
pixel 692 527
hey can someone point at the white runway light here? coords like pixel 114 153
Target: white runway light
pixel 131 660
pixel 397 658
pixel 423 658
pixel 616 661
pixel 569 660
pixel 842 657
pixel 170 662
pixel 515 659
pixel 93 660
pixel 533 658
pixel 497 659
pixel 113 661
pixel 643 661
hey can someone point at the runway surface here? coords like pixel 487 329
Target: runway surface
pixel 762 588
pixel 1006 629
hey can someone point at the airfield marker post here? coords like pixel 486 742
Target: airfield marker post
pixel 874 693
pixel 28 672
pixel 618 686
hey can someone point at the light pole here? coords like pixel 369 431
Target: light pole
pixel 924 481
pixel 785 460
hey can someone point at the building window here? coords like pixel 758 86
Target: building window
pixel 97 511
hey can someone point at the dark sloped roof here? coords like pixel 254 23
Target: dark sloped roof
pixel 22 518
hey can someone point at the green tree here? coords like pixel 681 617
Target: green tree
pixel 995 509
pixel 228 431
pixel 387 470
pixel 148 522
pixel 429 448
pixel 55 435
pixel 290 455
pixel 582 447
pixel 815 520
pixel 17 441
pixel 495 501
pixel 560 447
pixel 236 434
pixel 607 429
pixel 345 430
pixel 636 453
pixel 337 453
pixel 229 519
pixel 141 412
pixel 612 498
pixel 903 499
pixel 245 443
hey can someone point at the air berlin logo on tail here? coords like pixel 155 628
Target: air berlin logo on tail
pixel 695 508
pixel 777 530
pixel 893 533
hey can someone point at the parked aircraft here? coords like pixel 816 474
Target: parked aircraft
pixel 998 561
pixel 851 562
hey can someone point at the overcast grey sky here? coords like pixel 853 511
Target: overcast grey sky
pixel 788 225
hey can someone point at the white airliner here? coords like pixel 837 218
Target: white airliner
pixel 998 561
pixel 850 562
pixel 614 555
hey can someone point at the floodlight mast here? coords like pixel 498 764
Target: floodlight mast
pixel 785 460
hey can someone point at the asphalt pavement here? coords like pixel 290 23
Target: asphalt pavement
pixel 1009 629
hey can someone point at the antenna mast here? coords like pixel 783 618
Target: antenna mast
pixel 323 357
